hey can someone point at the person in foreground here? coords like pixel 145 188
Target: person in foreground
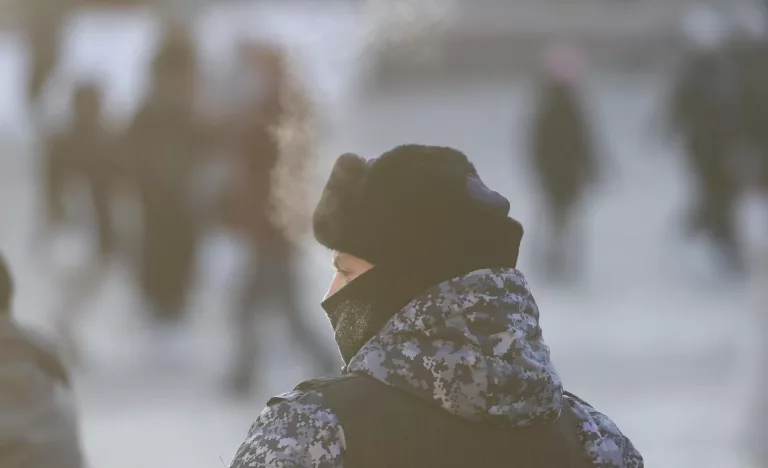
pixel 445 364
pixel 38 420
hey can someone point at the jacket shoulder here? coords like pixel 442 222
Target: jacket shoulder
pixel 20 344
pixel 297 429
pixel 604 439
pixel 38 421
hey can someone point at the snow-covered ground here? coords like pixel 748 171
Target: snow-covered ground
pixel 649 337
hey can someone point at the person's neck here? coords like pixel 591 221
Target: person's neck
pixel 362 308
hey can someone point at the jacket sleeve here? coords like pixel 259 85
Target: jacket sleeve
pixel 295 430
pixel 39 423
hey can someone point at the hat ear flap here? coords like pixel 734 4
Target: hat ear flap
pixel 486 198
pixel 338 210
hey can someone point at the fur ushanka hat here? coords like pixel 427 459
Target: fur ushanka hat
pixel 416 204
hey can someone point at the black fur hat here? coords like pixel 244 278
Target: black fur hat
pixel 415 204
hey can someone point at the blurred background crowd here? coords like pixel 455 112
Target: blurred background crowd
pixel 159 161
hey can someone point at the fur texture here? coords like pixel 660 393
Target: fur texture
pixel 414 204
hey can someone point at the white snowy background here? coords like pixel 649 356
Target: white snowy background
pixel 650 336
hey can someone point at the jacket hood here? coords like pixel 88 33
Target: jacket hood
pixel 473 346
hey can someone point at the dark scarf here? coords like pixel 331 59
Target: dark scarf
pixel 361 309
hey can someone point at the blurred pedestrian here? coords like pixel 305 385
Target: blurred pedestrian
pixel 445 364
pixel 43 22
pixel 87 148
pixel 563 158
pixel 749 51
pixel 252 210
pixel 38 424
pixel 704 111
pixel 58 169
pixel 163 148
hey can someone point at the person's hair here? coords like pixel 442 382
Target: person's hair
pixel 6 286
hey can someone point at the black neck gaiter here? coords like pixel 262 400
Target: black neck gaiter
pixel 360 309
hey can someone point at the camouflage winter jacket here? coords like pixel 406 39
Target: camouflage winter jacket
pixel 444 348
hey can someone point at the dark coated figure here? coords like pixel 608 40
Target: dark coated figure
pixel 445 361
pixel 705 111
pixel 163 148
pixel 250 210
pixel 82 156
pixel 563 158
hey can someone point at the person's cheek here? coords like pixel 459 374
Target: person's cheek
pixel 336 283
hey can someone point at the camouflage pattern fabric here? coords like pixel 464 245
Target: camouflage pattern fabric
pixel 471 345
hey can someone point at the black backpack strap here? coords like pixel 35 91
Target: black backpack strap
pixel 377 417
pixel 308 386
pixel 568 426
pixel 574 397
